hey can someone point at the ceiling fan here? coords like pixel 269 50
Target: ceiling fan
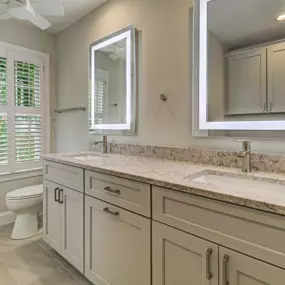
pixel 31 10
pixel 115 51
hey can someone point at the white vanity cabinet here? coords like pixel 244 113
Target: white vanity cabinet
pixel 181 258
pixel 117 245
pixel 63 216
pixel 239 269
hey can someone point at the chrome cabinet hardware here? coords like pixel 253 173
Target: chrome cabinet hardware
pixel 108 189
pixel 56 196
pixel 264 107
pixel 209 275
pixel 106 210
pixel 225 269
pixel 60 196
pixel 270 106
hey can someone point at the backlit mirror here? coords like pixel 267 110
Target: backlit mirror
pixel 112 83
pixel 240 66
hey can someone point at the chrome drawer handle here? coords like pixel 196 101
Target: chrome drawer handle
pixel 209 275
pixel 108 189
pixel 106 210
pixel 56 196
pixel 225 269
pixel 60 196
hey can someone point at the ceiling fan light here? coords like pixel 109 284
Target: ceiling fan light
pixel 281 18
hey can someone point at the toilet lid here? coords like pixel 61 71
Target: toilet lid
pixel 27 192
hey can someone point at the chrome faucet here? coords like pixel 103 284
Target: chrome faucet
pixel 246 155
pixel 105 144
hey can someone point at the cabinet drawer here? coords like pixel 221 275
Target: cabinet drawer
pixel 256 233
pixel 128 194
pixel 117 245
pixel 65 175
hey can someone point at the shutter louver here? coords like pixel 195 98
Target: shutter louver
pixel 28 138
pixel 3 140
pixel 27 84
pixel 3 81
pixel 99 96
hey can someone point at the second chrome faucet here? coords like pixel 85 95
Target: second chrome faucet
pixel 245 154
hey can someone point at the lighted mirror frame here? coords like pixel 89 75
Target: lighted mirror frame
pixel 128 33
pixel 201 28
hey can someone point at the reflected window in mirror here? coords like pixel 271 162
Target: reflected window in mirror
pixel 113 84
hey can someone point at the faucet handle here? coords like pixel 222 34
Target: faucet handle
pixel 246 143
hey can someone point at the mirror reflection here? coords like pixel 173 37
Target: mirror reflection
pixel 246 60
pixel 110 84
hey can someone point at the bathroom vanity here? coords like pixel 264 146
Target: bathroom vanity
pixel 133 220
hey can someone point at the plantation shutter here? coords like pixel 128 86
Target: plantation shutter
pixel 3 115
pixel 100 90
pixel 28 116
pixel 21 110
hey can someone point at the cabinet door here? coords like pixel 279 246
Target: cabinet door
pixel 51 215
pixel 180 258
pixel 72 227
pixel 117 245
pixel 247 82
pixel 239 269
pixel 276 78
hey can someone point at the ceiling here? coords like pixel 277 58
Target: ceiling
pixel 74 11
pixel 240 23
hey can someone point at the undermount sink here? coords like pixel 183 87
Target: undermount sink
pixel 235 182
pixel 87 156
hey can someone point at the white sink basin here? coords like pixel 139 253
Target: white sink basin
pixel 87 156
pixel 235 183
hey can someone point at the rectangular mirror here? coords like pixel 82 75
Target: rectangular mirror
pixel 240 46
pixel 112 106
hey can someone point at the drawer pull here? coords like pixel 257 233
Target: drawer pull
pixel 106 210
pixel 108 189
pixel 56 196
pixel 60 196
pixel 209 275
pixel 225 269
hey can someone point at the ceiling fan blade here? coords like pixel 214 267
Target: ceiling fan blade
pixel 5 16
pixel 49 8
pixel 40 21
pixel 20 13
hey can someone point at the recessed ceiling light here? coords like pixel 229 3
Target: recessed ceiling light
pixel 281 17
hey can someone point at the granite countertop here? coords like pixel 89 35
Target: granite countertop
pixel 269 197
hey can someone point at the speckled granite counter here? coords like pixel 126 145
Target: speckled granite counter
pixel 178 176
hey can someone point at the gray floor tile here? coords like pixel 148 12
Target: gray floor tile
pixel 33 262
pixel 62 279
pixel 5 275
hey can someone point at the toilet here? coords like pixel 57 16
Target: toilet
pixel 26 203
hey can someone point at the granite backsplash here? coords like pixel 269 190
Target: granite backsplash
pixel 261 162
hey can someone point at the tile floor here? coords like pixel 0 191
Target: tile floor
pixel 33 262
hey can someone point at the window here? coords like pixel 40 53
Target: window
pixel 22 108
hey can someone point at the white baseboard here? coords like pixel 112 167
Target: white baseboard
pixel 7 218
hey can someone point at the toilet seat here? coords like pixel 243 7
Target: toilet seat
pixel 26 193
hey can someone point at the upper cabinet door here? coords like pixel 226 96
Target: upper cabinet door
pixel 51 214
pixel 247 82
pixel 239 269
pixel 72 231
pixel 180 258
pixel 276 78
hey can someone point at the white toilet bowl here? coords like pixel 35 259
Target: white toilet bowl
pixel 26 203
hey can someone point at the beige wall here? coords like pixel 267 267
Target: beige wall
pixel 165 67
pixel 30 37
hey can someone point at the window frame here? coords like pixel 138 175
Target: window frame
pixel 17 53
